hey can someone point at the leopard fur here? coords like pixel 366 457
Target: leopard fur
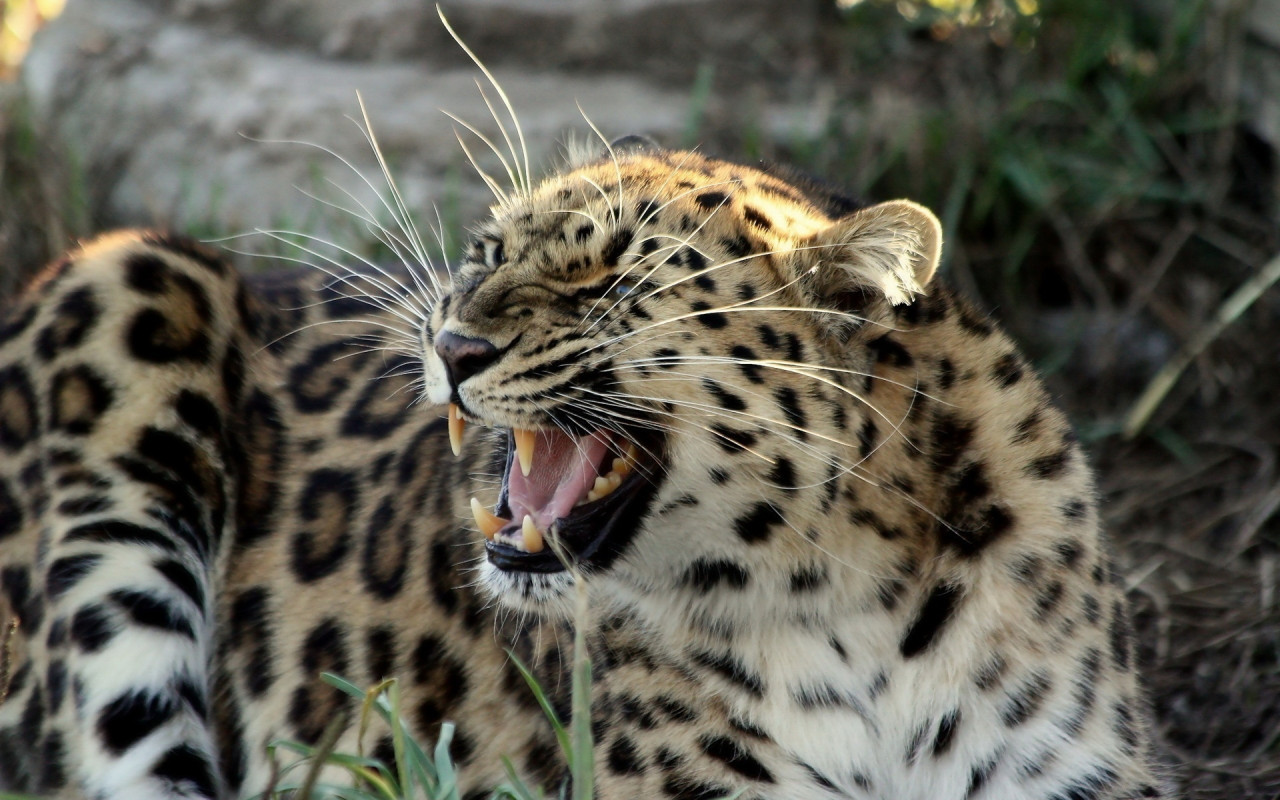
pixel 861 557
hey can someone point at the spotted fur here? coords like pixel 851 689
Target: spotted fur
pixel 866 562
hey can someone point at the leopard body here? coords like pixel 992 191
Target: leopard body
pixel 858 554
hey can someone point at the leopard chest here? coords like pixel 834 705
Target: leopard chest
pixel 838 711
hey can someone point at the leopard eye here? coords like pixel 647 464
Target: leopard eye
pixel 623 287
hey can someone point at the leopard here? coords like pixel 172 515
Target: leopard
pixel 816 521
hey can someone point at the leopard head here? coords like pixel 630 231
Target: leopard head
pixel 671 349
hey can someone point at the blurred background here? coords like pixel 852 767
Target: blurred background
pixel 1106 171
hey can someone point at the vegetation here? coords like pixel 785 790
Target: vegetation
pixel 421 772
pixel 19 20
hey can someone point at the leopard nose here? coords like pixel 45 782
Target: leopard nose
pixel 464 356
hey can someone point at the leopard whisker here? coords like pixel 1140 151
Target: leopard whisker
pixel 602 417
pixel 744 303
pixel 794 367
pixel 740 260
pixel 739 414
pixel 383 236
pixel 521 181
pixel 608 410
pixel 403 217
pixel 352 167
pixel 318 323
pixel 476 132
pixel 672 248
pixel 826 382
pixel 651 410
pixel 367 350
pixel 654 211
pixel 398 212
pixel 403 250
pixel 714 411
pixel 735 308
pixel 658 265
pixel 501 95
pixel 376 302
pixel 497 191
pixel 403 298
pixel 578 212
pixel 613 156
pixel 833 461
pixel 613 213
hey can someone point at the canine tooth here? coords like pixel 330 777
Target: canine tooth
pixel 524 448
pixel 488 522
pixel 456 426
pixel 621 466
pixel 632 452
pixel 531 535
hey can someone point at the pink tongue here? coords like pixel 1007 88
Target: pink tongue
pixel 564 470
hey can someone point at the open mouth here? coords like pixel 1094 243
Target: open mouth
pixel 585 493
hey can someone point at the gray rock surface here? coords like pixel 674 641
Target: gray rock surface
pixel 177 109
pixel 174 110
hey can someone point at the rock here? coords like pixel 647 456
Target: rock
pixel 190 113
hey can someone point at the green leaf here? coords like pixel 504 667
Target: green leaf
pixel 447 775
pixel 515 788
pixel 561 734
pixel 582 759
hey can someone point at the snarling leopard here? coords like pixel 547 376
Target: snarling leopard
pixel 819 522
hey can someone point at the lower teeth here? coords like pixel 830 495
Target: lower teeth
pixel 531 537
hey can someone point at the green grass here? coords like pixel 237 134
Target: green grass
pixel 1083 155
pixel 1044 128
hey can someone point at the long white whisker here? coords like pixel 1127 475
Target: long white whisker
pixel 577 212
pixel 442 239
pixel 380 232
pixel 392 305
pixel 653 212
pixel 426 263
pixel 521 181
pixel 660 264
pixel 498 88
pixel 494 188
pixel 832 384
pixel 617 168
pixel 404 218
pixel 334 155
pixel 794 367
pixel 613 213
pixel 506 165
pixel 320 322
pixel 404 295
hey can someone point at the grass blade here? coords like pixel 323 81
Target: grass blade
pixel 561 734
pixel 1235 305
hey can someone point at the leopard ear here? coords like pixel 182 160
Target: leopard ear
pixel 635 143
pixel 580 152
pixel 887 251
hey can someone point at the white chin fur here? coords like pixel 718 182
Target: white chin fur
pixel 545 594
